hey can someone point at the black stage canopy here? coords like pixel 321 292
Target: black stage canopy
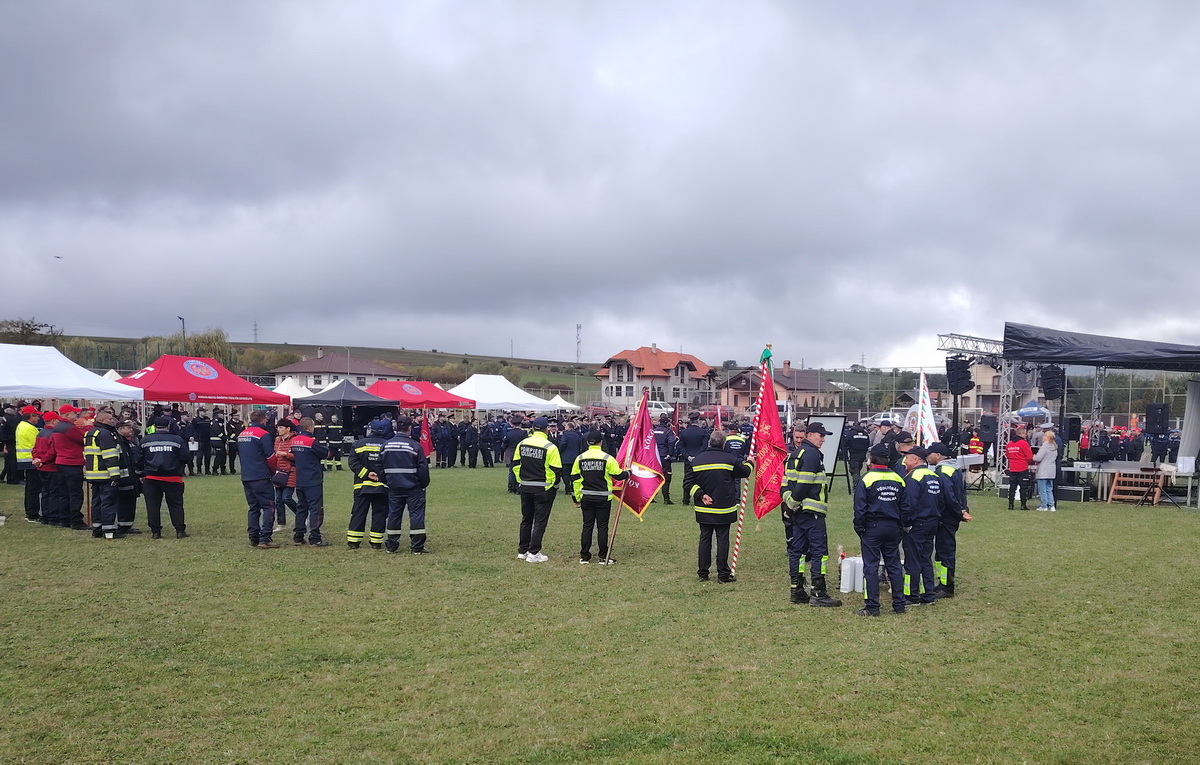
pixel 1024 342
pixel 342 393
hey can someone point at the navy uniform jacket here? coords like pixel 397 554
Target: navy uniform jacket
pixel 665 440
pixel 163 454
pixel 736 443
pixel 308 452
pixel 858 444
pixel 255 447
pixel 692 441
pixel 955 489
pixel 925 498
pixel 364 459
pixel 570 446
pixel 715 472
pixel 880 496
pixel 405 468
pixel 804 481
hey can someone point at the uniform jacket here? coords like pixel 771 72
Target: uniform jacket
pixel 593 474
pixel 101 455
pixel 736 443
pixel 665 440
pixel 163 455
pixel 68 444
pixel 512 437
pixel 804 481
pixel 405 468
pixel 715 472
pixel 955 490
pixel 307 454
pixel 284 462
pixel 256 448
pixel 570 446
pixel 692 441
pixel 43 450
pixel 1019 454
pixel 925 499
pixel 24 437
pixel 536 463
pixel 880 495
pixel 365 458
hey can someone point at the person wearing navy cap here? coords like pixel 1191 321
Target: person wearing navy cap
pixel 880 512
pixel 927 503
pixel 955 512
pixel 406 473
pixel 370 489
pixel 805 499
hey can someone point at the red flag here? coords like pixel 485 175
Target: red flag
pixel 426 436
pixel 767 445
pixel 639 455
pixel 717 423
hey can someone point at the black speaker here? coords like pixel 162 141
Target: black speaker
pixel 1054 382
pixel 987 428
pixel 1072 428
pixel 958 375
pixel 1156 418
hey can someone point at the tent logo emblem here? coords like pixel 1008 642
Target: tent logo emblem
pixel 410 388
pixel 199 369
pixel 191 397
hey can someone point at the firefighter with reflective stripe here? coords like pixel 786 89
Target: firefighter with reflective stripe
pixel 406 473
pixel 592 477
pixel 256 447
pixel 216 442
pixel 736 443
pixel 333 440
pixel 880 513
pixel 130 484
pixel 804 494
pixel 666 442
pixel 926 504
pixel 310 457
pixel 370 491
pixel 536 465
pixel 102 470
pixel 715 496
pixel 233 443
pixel 945 543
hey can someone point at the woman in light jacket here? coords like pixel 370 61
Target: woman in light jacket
pixel 1046 460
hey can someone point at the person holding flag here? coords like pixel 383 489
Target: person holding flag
pixel 715 495
pixel 805 496
pixel 592 475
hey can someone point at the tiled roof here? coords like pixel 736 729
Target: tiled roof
pixel 336 363
pixel 655 362
pixel 793 379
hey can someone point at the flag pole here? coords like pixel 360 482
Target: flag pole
pixel 612 537
pixel 737 539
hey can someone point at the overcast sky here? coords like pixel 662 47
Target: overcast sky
pixel 844 180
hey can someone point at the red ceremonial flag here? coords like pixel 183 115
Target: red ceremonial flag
pixel 717 424
pixel 426 436
pixel 639 455
pixel 767 445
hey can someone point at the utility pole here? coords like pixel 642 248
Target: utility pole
pixel 256 330
pixel 578 343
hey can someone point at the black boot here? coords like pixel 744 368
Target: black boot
pixel 667 496
pixel 799 594
pixel 819 596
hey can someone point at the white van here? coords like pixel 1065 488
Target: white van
pixel 786 411
pixel 655 408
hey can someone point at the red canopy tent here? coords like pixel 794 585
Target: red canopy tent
pixel 184 378
pixel 419 395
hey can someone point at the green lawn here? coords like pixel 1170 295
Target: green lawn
pixel 1073 639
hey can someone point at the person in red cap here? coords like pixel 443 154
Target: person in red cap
pixel 68 459
pixel 43 460
pixel 26 434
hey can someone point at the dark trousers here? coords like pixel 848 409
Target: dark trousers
pixel 310 512
pixel 666 468
pixel 810 542
pixel 72 488
pixel 377 504
pixel 218 456
pixel 189 458
pixel 444 455
pixel 204 456
pixel 498 453
pixel 54 505
pixel 1024 479
pixel 535 514
pixel 918 561
pixel 462 454
pixel 285 496
pixel 512 478
pixel 704 553
pixel 260 520
pixel 155 491
pixel 794 567
pixel 414 503
pixel 854 464
pixel 33 493
pixel 485 451
pixel 104 508
pixel 687 481
pixel 126 507
pixel 12 474
pixel 595 514
pixel 472 455
pixel 231 452
pixel 945 546
pixel 880 540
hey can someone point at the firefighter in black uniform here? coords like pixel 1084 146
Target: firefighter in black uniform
pixel 216 442
pixel 954 513
pixel 202 426
pixel 102 471
pixel 233 429
pixel 880 514
pixel 692 441
pixel 716 475
pixel 592 476
pixel 537 465
pixel 804 494
pixel 736 443
pixel 163 465
pixel 926 503
pixel 333 441
pixel 512 436
pixel 858 443
pixel 406 472
pixel 370 489
pixel 129 485
pixel 664 439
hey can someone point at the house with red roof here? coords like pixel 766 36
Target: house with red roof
pixel 327 368
pixel 671 377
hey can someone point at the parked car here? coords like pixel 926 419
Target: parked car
pixel 710 412
pixel 656 408
pixel 600 409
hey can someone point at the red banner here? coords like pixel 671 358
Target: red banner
pixel 639 455
pixel 426 436
pixel 770 454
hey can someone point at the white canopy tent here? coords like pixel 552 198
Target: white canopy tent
pixel 496 392
pixel 112 375
pixel 562 403
pixel 38 371
pixel 289 387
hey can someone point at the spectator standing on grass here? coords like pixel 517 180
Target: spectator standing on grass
pixel 592 476
pixel 285 494
pixel 804 495
pixel 129 486
pixel 406 472
pixel 102 471
pixel 256 447
pixel 370 486
pixel 536 465
pixel 715 496
pixel 1046 460
pixel 955 512
pixel 53 506
pixel 880 515
pixel 310 457
pixel 163 463
pixel 512 436
pixel 1020 455
pixel 68 458
pixel 926 502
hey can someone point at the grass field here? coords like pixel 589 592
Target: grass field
pixel 1073 640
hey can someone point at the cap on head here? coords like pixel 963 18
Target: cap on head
pixel 938 448
pixel 162 422
pixel 904 437
pixel 68 409
pixel 885 423
pixel 49 417
pixel 29 410
pixel 693 416
pixel 539 423
pixel 880 451
pixel 594 437
pixel 403 422
pixel 919 451
pixel 818 428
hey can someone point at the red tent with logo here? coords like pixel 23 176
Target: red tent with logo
pixel 419 395
pixel 186 378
